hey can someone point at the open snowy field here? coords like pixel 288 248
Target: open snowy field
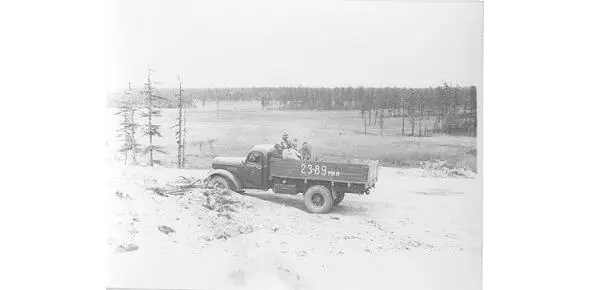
pixel 415 231
pixel 336 134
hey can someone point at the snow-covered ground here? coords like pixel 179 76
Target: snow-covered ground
pixel 413 232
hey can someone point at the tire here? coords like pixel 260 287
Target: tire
pixel 340 197
pixel 318 199
pixel 219 182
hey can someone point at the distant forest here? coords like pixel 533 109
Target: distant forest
pixel 453 107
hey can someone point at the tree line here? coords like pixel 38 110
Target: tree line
pixel 453 108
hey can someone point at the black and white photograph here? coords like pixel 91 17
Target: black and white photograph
pixel 294 145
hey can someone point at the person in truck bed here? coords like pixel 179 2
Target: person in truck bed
pixel 285 142
pixel 291 154
pixel 287 148
pixel 276 152
pixel 305 152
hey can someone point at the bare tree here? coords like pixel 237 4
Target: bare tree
pixel 377 105
pixel 369 110
pixel 382 121
pixel 180 125
pixel 403 105
pixel 362 98
pixel 412 121
pixel 369 104
pixel 263 102
pixel 420 110
pixel 152 111
pixel 472 111
pixel 217 104
pixel 203 100
pixel 411 102
pixel 363 119
pixel 382 104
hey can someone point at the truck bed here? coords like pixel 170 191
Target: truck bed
pixel 354 171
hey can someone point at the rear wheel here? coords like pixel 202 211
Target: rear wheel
pixel 318 199
pixel 339 198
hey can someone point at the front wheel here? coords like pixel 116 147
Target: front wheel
pixel 219 182
pixel 318 199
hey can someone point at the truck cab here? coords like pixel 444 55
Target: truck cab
pixel 250 172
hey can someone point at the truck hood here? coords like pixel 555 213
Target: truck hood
pixel 232 161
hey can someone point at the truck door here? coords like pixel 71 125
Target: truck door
pixel 253 170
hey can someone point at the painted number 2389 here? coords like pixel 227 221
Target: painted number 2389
pixel 313 169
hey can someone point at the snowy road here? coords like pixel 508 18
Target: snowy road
pixel 414 232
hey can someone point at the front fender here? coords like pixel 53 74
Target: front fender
pixel 227 174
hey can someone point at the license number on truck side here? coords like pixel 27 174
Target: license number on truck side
pixel 317 169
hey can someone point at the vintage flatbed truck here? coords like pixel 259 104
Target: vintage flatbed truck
pixel 324 184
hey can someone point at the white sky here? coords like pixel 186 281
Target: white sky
pixel 290 43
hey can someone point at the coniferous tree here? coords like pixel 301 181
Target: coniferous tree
pixel 127 111
pixel 152 111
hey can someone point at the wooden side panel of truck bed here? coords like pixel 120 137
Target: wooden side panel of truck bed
pixel 329 171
